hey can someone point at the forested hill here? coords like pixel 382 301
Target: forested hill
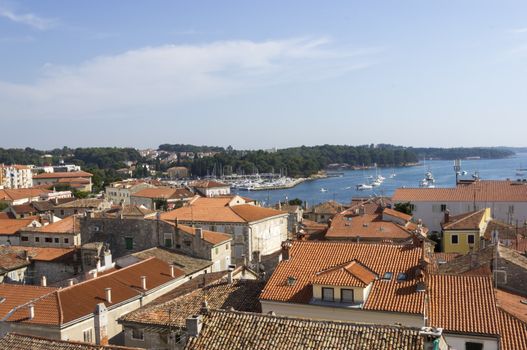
pixel 302 161
pixel 189 148
pixel 462 152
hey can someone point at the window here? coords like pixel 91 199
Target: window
pixel 470 239
pixel 24 238
pixel 62 212
pixel 327 294
pixel 401 277
pixel 87 335
pixel 187 243
pixel 168 242
pixel 346 296
pixel 137 334
pixel 227 246
pixel 473 346
pixel 37 239
pixel 511 209
pixel 454 239
pixel 66 240
pixel 216 250
pixel 48 240
pixel 56 240
pixel 387 276
pixel 443 207
pixel 129 243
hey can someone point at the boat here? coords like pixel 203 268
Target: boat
pixel 363 187
pixel 376 183
pixel 464 172
pixel 323 189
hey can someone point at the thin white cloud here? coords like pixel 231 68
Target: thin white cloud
pixel 29 19
pixel 519 30
pixel 161 78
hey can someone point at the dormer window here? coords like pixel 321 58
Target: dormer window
pixel 387 276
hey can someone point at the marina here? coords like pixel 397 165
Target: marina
pixel 356 183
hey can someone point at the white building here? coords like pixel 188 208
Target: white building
pixel 211 188
pixel 119 192
pixel 256 231
pixel 15 176
pixel 507 201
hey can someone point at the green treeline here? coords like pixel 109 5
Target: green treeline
pixel 461 153
pixel 301 161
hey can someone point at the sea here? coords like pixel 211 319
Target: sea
pixel 343 188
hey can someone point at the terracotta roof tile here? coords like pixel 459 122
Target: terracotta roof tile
pixel 481 191
pixel 253 213
pixel 465 221
pixel 68 225
pixel 21 193
pixel 240 295
pixel 12 226
pixel 514 304
pixel 307 258
pixel 164 193
pixel 208 184
pixel 59 175
pixel 16 341
pixel 350 274
pixel 73 302
pixel 397 214
pixel 240 331
pixel 43 253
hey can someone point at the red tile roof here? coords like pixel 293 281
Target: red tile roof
pixel 209 236
pixel 208 184
pixel 14 341
pixel 68 225
pixel 351 274
pixel 21 193
pixel 164 193
pixel 466 221
pixel 70 303
pixel 307 258
pixel 202 211
pixel 43 253
pixel 514 304
pixel 467 304
pixel 12 226
pixel 59 175
pixel 480 191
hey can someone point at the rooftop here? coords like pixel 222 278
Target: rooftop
pixel 16 341
pixel 64 305
pixel 186 263
pixel 59 175
pixel 308 258
pixel 208 184
pixel 202 211
pixel 41 253
pixel 467 221
pixel 82 203
pixel 68 225
pixel 480 191
pixel 163 193
pixel 21 193
pixel 242 330
pixel 240 295
pixel 12 226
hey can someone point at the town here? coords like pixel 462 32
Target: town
pixel 183 263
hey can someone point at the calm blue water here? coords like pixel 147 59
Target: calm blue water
pixel 337 187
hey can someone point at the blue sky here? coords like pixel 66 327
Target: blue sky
pixel 261 74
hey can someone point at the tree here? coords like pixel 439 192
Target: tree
pixel 295 201
pixel 404 207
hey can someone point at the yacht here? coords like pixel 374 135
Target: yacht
pixel 323 189
pixel 363 187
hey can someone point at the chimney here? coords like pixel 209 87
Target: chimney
pixel 229 275
pixel 172 273
pixel 204 307
pixel 143 282
pixel 286 246
pixel 431 337
pixel 25 255
pixel 101 324
pixel 447 216
pixel 199 232
pixel 70 282
pixel 31 311
pixel 43 281
pixel 108 295
pixel 193 325
pixel 361 210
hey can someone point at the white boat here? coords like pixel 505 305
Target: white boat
pixel 376 183
pixel 363 187
pixel 464 173
pixel 323 189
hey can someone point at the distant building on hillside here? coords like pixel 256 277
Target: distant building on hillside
pixel 15 176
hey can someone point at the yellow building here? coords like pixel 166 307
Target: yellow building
pixel 464 233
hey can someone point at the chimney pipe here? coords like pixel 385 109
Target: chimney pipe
pixel 143 282
pixel 31 311
pixel 229 275
pixel 286 246
pixel 108 293
pixel 172 273
pixel 70 282
pixel 447 216
pixel 43 281
pixel 193 324
pixel 199 232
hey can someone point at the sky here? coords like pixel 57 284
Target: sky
pixel 262 74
